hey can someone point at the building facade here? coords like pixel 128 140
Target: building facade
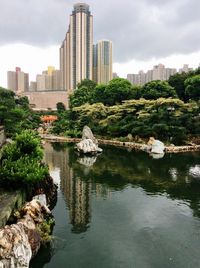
pixel 17 80
pixel 76 49
pixel 102 62
pixel 159 72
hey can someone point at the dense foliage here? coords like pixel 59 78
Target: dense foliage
pixel 15 113
pixel 20 161
pixel 167 119
pixel 168 110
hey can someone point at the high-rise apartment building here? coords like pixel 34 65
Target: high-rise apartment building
pixel 76 49
pixel 102 62
pixel 12 80
pixel 18 81
pixel 49 80
pixel 159 72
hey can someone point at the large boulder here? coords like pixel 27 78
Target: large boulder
pixel 156 146
pixel 87 134
pixel 21 241
pixel 88 144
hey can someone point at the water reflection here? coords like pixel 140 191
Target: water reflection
pixel 125 206
pixel 175 174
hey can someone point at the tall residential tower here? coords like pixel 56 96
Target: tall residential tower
pixel 76 49
pixel 102 62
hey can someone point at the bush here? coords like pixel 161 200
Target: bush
pixel 21 160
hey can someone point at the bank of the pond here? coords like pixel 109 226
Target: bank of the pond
pixel 132 145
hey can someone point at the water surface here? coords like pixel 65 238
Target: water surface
pixel 123 209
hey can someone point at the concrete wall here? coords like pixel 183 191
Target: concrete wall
pixel 45 100
pixel 2 136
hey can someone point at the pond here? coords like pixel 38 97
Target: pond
pixel 123 209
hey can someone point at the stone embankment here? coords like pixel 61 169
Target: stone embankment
pixel 132 145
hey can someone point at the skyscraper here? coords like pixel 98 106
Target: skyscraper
pixel 102 62
pixel 76 49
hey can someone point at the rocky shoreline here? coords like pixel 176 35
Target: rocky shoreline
pixel 20 242
pixel 132 145
pixel 31 226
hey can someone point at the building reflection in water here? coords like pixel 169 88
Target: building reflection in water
pixel 76 191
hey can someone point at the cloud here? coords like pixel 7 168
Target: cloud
pixel 140 29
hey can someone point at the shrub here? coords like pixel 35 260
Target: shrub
pixel 21 160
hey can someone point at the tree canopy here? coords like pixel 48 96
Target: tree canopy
pixel 192 87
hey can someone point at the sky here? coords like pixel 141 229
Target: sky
pixel 144 33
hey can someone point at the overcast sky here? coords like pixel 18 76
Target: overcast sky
pixel 144 33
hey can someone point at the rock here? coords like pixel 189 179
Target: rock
pixel 88 144
pixel 42 198
pixel 15 250
pixel 130 137
pixel 49 189
pixel 87 134
pixel 156 146
pixel 21 241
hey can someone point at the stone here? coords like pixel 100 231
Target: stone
pixel 87 134
pixel 42 198
pixel 15 250
pixel 156 146
pixel 88 144
pixel 21 241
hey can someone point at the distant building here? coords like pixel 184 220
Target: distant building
pixel 76 49
pixel 50 70
pixel 115 75
pixel 40 81
pixel 56 79
pixel 50 79
pixel 17 80
pixel 12 80
pixel 159 72
pixel 102 62
pixel 46 100
pixel 185 69
pixel 33 86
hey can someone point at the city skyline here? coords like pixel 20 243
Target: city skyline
pixel 136 45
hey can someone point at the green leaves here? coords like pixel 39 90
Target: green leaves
pixel 21 160
pixel 192 85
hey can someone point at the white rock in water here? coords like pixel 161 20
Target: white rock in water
pixel 87 134
pixel 156 146
pixel 88 146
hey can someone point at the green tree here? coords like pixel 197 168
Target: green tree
pixel 60 107
pixel 117 90
pixel 157 89
pixel 177 81
pixel 83 93
pixel 90 84
pixel 192 85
